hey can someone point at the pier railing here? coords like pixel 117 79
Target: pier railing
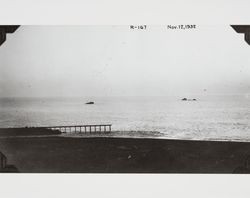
pixel 82 128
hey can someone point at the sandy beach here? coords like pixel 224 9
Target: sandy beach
pixel 56 154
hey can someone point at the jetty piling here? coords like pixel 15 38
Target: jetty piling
pixel 105 128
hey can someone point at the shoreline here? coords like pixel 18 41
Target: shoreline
pixel 56 153
pixel 28 132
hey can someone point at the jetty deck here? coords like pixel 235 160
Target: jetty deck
pixel 89 128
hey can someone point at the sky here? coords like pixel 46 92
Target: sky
pixel 83 61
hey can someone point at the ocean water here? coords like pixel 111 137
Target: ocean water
pixel 214 117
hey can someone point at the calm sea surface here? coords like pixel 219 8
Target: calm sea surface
pixel 210 117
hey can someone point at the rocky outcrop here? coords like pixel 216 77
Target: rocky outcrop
pixel 89 103
pixel 185 99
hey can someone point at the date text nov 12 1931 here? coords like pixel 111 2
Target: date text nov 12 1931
pixel 171 27
pixel 181 27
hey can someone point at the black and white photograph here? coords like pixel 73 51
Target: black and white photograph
pixel 138 98
pixel 128 99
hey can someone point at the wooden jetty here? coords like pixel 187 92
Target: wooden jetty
pixel 106 128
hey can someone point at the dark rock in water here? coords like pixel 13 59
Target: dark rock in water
pixel 89 103
pixel 185 99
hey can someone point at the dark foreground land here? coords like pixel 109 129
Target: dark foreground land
pixel 57 154
pixel 16 132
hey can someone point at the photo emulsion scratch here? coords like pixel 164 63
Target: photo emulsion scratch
pixel 136 98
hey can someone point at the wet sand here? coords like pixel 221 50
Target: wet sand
pixel 55 154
